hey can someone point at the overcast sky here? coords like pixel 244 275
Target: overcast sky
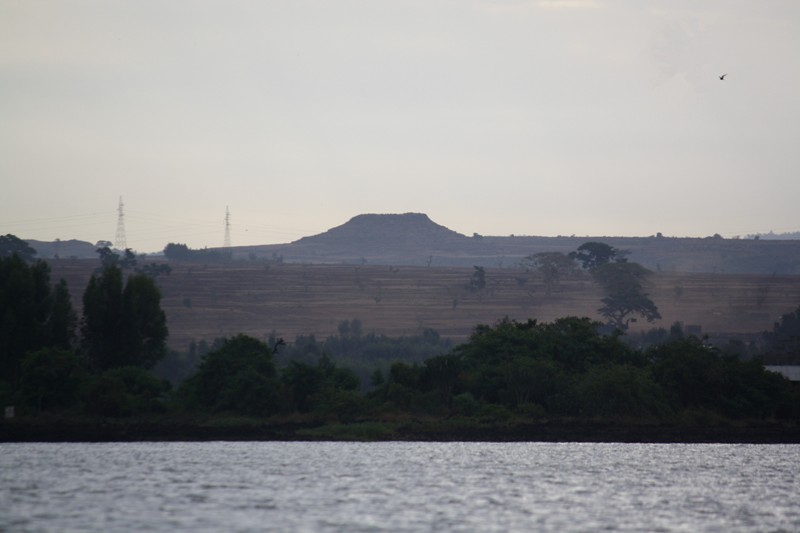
pixel 559 117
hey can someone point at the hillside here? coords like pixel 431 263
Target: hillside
pixel 399 274
pixel 72 248
pixel 413 239
pixel 205 301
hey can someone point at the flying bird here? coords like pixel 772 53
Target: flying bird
pixel 723 76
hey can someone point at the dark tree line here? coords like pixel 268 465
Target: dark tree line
pixel 33 313
pixel 50 361
pixel 570 368
pixel 511 370
pixel 241 376
pixel 181 252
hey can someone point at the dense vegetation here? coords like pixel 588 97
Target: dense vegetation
pixel 509 372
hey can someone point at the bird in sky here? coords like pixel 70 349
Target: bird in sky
pixel 723 76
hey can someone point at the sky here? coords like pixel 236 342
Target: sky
pixel 498 117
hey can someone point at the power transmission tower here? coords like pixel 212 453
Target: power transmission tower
pixel 120 242
pixel 227 242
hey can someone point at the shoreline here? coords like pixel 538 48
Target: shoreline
pixel 23 431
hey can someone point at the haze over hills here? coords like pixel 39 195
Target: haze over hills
pixel 414 239
pixel 65 249
pixel 723 286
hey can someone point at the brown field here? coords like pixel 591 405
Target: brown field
pixel 206 301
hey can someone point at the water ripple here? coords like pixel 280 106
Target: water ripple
pixel 359 487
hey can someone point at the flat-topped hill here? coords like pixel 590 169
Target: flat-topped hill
pixel 409 232
pixel 414 239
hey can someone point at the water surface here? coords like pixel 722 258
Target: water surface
pixel 268 486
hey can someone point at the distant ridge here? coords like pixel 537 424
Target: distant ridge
pixel 72 248
pixel 414 239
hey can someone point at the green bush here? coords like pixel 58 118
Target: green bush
pixel 51 379
pixel 239 376
pixel 465 404
pixel 125 391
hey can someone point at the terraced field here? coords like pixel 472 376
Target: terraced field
pixel 205 301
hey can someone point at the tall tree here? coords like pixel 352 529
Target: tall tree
pixel 595 254
pixel 63 319
pixel 552 266
pixel 32 315
pixel 477 282
pixel 102 319
pixel 625 298
pixel 123 325
pixel 144 322
pixel 11 245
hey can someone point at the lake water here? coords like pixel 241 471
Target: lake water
pixel 268 486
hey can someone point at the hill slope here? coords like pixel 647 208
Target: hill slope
pixel 414 239
pixel 386 233
pixel 205 301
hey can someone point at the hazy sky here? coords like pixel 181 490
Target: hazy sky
pixel 559 117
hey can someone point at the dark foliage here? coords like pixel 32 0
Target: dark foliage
pixel 181 252
pixel 596 254
pixel 783 342
pixel 123 325
pixel 33 315
pixel 569 368
pixel 623 284
pixel 51 380
pixel 240 376
pixel 13 245
pixel 125 391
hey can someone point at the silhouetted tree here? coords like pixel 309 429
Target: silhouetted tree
pixel 595 254
pixel 107 257
pixel 625 296
pixel 63 319
pixel 32 315
pixel 11 244
pixel 552 266
pixel 783 342
pixel 477 282
pixel 178 252
pixel 239 376
pixel 122 325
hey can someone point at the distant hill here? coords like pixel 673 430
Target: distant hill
pixel 71 249
pixel 414 239
pixel 409 232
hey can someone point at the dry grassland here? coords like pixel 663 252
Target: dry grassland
pixel 215 300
